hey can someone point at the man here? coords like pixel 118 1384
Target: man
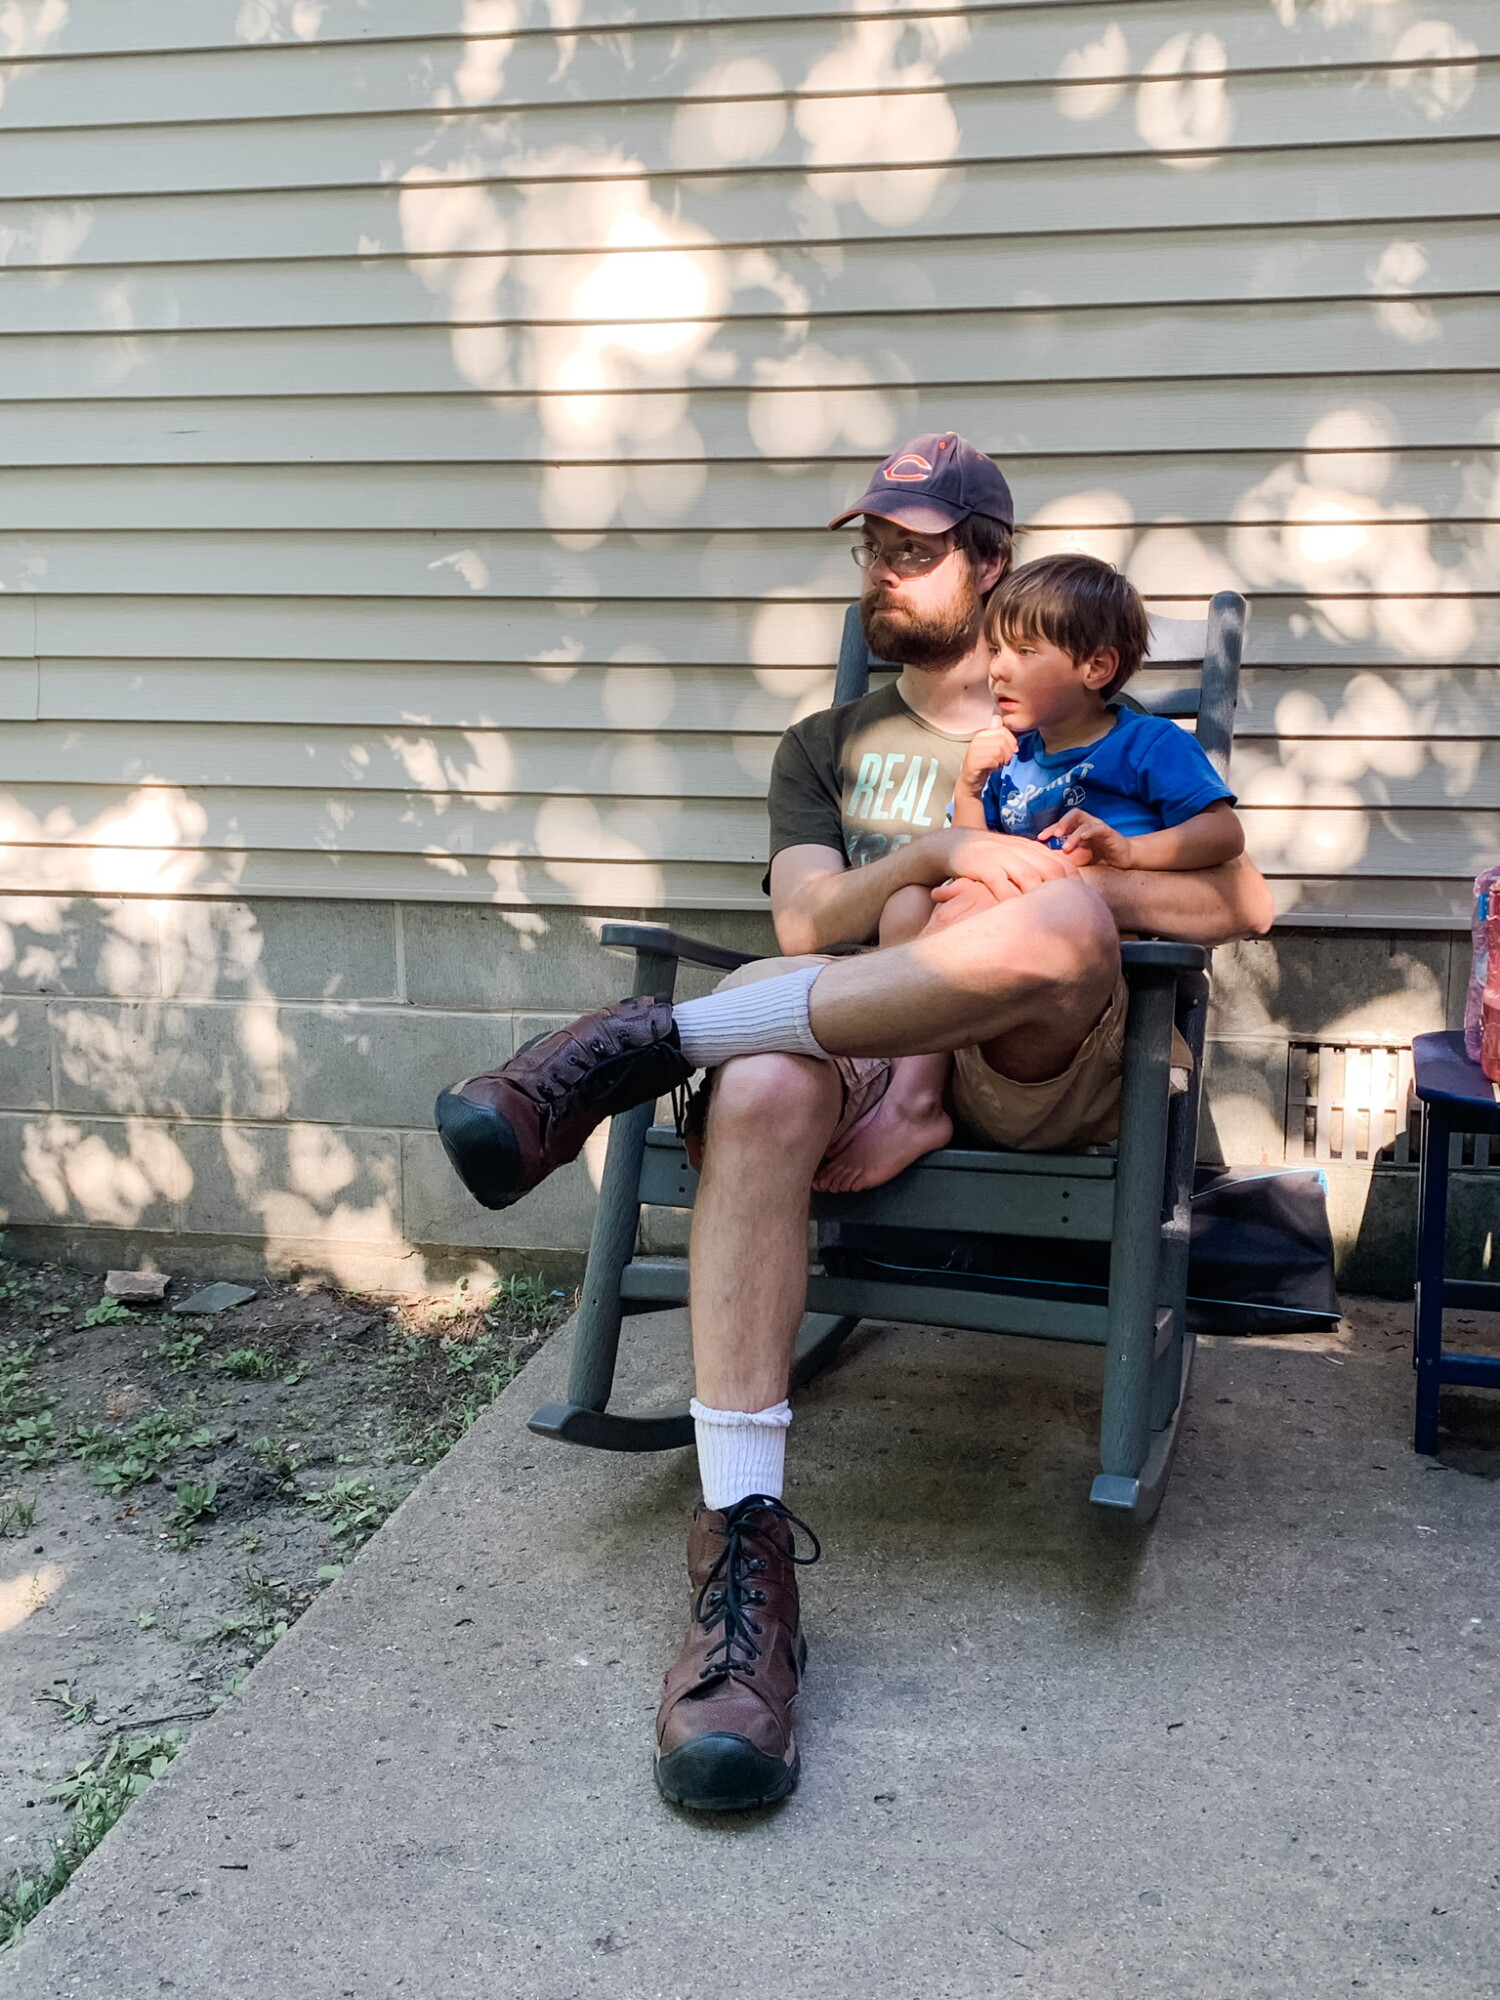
pixel 1025 973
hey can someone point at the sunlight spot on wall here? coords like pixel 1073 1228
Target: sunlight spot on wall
pixel 753 754
pixel 1256 1127
pixel 479 75
pixel 1425 628
pixel 320 1163
pixel 1175 109
pixel 637 695
pixel 290 1218
pixel 550 665
pixel 467 564
pixel 1172 560
pixel 55 239
pixel 1409 320
pixel 1437 92
pixel 278 20
pixel 1282 832
pixel 787 633
pixel 730 134
pixel 83 1178
pixel 643 768
pixel 1096 521
pixel 29 27
pixel 599 859
pixel 804 426
pixel 669 491
pixel 490 766
pixel 595 1147
pixel 581 500
pixel 530 927
pixel 1353 449
pixel 1109 57
pixel 1333 533
pixel 1400 268
pixel 868 131
pixel 758 270
pixel 639 278
pixel 21 1597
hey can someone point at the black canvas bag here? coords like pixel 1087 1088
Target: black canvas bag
pixel 1261 1256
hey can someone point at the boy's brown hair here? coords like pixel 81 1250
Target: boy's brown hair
pixel 1076 602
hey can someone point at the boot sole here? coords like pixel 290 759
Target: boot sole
pixel 482 1149
pixel 721 1772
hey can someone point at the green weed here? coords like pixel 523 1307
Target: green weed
pixel 182 1353
pixel 277 1460
pixel 108 1312
pixel 127 1456
pixel 16 1515
pixel 441 1385
pixel 193 1506
pixel 248 1364
pixel 15 1284
pixel 28 1436
pixel 73 1710
pixel 93 1795
pixel 353 1508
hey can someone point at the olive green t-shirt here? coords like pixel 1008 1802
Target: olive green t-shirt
pixel 864 778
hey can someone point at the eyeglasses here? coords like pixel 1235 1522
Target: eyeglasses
pixel 909 559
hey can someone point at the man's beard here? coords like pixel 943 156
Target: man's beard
pixel 932 638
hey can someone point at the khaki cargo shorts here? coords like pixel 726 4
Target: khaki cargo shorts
pixel 1062 1114
pixel 863 1078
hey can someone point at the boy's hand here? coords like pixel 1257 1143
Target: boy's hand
pixel 993 746
pixel 1081 834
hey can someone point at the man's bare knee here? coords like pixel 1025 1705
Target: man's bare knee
pixel 780 1100
pixel 1078 957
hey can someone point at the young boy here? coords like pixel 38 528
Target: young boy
pixel 1061 763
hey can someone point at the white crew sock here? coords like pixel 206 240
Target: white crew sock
pixel 740 1452
pixel 767 1017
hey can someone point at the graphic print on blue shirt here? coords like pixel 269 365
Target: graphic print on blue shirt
pixel 1146 774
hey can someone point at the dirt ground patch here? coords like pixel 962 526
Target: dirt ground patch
pixel 175 1491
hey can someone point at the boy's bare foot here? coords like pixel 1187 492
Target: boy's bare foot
pixel 888 1138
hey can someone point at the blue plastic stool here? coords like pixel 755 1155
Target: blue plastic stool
pixel 1456 1096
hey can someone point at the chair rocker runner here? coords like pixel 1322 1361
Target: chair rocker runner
pixel 1135 1201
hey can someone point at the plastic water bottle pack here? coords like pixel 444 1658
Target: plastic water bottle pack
pixel 1482 1007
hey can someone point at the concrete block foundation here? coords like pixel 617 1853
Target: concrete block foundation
pixel 246 1087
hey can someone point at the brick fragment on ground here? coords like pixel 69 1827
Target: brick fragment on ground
pixel 136 1288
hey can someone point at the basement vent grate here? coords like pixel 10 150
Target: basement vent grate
pixel 1353 1102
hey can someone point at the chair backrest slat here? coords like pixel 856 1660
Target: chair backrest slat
pixel 1212 645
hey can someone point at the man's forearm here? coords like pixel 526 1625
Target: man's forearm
pixel 1208 908
pixel 844 907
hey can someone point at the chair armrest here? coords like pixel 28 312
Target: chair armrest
pixel 668 944
pixel 1162 955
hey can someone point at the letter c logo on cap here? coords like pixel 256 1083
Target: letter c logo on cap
pixel 910 468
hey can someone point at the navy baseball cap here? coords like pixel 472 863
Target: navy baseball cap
pixel 932 484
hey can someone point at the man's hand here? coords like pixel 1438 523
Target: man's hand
pixel 956 901
pixel 1089 838
pixel 1004 863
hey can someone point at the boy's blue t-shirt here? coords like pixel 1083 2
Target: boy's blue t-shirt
pixel 1144 775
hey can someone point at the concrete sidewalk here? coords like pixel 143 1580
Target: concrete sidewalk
pixel 1253 1752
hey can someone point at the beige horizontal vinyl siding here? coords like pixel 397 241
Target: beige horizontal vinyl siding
pixel 418 435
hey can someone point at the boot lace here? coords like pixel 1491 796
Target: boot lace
pixel 729 1592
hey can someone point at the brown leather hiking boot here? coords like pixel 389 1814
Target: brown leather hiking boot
pixel 507 1129
pixel 724 1739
